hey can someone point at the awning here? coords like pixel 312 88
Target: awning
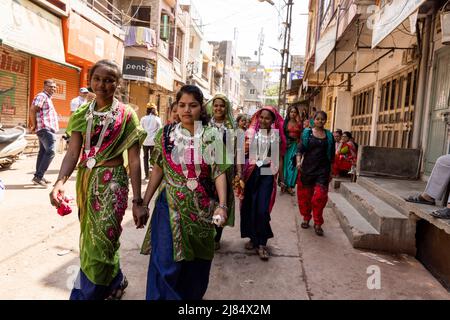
pixel 388 18
pixel 31 29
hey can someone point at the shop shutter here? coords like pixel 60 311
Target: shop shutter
pixel 14 84
pixel 67 82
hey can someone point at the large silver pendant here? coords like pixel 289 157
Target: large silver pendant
pixel 91 163
pixel 259 163
pixel 192 184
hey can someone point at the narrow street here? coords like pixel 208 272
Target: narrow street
pixel 39 255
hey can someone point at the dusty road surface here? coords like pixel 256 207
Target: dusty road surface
pixel 39 255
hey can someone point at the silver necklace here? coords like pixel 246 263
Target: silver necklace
pixel 263 143
pixel 187 142
pixel 105 119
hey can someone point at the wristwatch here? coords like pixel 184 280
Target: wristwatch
pixel 138 202
pixel 222 206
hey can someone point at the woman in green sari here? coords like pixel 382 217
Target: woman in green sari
pixel 219 109
pixel 292 129
pixel 180 238
pixel 105 129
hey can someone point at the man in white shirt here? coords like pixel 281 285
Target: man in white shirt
pixel 78 101
pixel 151 124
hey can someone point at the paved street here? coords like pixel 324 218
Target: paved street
pixel 39 255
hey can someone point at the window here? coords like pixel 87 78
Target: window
pixel 165 27
pixel 396 113
pixel 205 70
pixel 252 91
pixel 362 115
pixel 141 16
pixel 191 43
pixel 179 44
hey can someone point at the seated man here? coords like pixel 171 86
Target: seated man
pixel 436 187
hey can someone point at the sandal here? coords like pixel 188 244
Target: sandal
pixel 249 245
pixel 305 224
pixel 443 213
pixel 118 293
pixel 291 192
pixel 318 230
pixel 263 253
pixel 419 199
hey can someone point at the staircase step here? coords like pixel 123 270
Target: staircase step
pixel 378 213
pixel 360 233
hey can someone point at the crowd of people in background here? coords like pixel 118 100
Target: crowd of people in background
pixel 194 201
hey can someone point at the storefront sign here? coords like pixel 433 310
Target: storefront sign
pixel 61 89
pixel 28 27
pixel 139 70
pixel 88 42
pixel 388 18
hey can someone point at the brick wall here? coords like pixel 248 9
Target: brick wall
pixel 14 86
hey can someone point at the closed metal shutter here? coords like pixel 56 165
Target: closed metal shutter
pixel 14 86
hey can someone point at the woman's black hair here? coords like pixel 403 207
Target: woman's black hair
pixel 274 117
pixel 289 111
pixel 348 134
pixel 108 64
pixel 323 113
pixel 240 117
pixel 198 95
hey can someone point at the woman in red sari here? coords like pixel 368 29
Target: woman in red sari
pixel 346 155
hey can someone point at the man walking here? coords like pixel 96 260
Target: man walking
pixel 44 122
pixel 78 101
pixel 151 124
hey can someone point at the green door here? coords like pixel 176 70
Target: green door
pixel 440 103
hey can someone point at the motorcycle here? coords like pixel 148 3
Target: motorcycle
pixel 12 145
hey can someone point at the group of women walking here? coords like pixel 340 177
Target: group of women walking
pixel 195 199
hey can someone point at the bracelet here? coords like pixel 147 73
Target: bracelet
pixel 222 206
pixel 138 201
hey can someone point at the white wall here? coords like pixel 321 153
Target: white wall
pixel 343 113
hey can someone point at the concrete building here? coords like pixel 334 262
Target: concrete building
pixel 154 47
pixel 252 85
pixel 60 40
pixel 231 73
pixel 381 69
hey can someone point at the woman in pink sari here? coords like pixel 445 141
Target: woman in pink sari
pixel 266 137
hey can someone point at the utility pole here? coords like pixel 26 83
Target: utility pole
pixel 285 57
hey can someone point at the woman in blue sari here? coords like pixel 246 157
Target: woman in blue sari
pixel 266 137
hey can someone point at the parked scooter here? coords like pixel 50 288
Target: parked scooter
pixel 12 144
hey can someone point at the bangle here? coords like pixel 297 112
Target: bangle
pixel 138 201
pixel 222 206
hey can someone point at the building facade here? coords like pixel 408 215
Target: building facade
pixel 380 70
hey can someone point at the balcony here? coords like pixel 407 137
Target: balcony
pixel 106 9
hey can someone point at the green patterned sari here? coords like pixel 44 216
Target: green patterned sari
pixel 102 193
pixel 190 212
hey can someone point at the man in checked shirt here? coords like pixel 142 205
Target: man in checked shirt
pixel 44 122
